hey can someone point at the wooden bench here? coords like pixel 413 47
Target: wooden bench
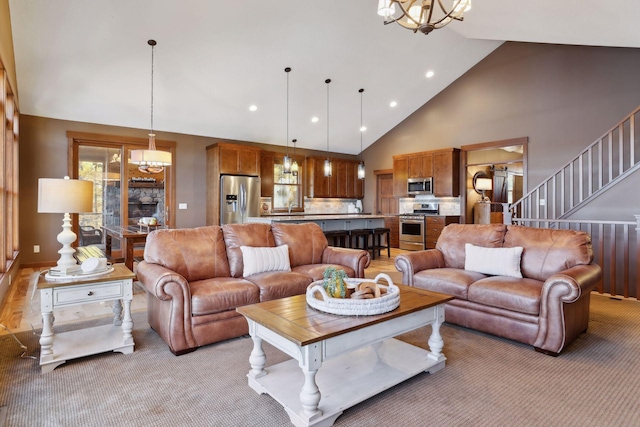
pixel 84 252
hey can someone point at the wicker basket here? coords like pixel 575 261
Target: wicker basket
pixel 318 298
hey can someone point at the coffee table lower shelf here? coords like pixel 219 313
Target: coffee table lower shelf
pixel 346 380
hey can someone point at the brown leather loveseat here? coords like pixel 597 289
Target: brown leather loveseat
pixel 194 277
pixel 548 307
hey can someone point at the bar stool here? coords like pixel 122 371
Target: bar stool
pixel 360 239
pixel 377 241
pixel 338 238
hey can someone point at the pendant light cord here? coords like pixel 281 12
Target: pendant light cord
pixel 152 139
pixel 287 71
pixel 361 93
pixel 327 82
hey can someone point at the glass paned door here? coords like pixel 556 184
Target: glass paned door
pixel 102 166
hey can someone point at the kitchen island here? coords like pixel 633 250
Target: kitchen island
pixel 327 222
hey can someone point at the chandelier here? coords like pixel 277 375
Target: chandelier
pixel 151 160
pixel 422 15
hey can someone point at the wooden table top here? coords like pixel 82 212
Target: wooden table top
pixel 293 319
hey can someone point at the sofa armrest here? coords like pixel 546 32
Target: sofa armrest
pixel 164 284
pixel 564 306
pixel 357 259
pixel 411 263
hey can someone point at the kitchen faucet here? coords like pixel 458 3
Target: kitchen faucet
pixel 291 205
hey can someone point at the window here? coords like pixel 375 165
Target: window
pixel 287 187
pixel 9 173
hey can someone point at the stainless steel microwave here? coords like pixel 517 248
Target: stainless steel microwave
pixel 420 185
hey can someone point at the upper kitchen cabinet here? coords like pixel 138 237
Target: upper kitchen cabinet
pixel 267 160
pixel 421 165
pixel 343 182
pixel 236 159
pixel 446 173
pixel 400 175
pixel 442 165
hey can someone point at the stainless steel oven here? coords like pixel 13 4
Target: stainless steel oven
pixel 413 228
pixel 412 232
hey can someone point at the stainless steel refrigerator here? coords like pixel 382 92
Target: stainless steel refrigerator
pixel 239 198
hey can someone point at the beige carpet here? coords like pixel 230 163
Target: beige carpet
pixel 488 381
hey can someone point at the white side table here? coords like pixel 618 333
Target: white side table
pixel 56 349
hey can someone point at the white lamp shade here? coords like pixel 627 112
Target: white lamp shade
pixel 484 184
pixel 64 195
pixel 151 157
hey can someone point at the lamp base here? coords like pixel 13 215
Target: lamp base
pixel 66 237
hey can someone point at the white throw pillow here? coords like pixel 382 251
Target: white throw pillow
pixel 259 260
pixel 494 261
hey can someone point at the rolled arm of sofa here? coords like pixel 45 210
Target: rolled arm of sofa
pixel 357 259
pixel 564 306
pixel 411 263
pixel 164 284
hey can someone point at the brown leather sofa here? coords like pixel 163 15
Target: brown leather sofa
pixel 547 308
pixel 193 277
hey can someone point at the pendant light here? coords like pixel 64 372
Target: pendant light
pixel 362 129
pixel 294 165
pixel 327 163
pixel 287 159
pixel 151 160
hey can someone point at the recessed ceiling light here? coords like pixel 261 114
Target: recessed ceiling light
pixel 430 74
pixel 363 128
pixel 393 104
pixel 253 108
pixel 314 119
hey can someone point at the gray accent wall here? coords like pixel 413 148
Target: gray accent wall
pixel 562 97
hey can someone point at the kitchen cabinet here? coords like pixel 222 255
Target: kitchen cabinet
pixel 442 165
pixel 343 182
pixel 267 160
pixel 434 226
pixel 393 223
pixel 421 165
pixel 237 159
pixel 400 176
pixel 446 173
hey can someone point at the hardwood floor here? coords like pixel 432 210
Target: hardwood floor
pixel 21 310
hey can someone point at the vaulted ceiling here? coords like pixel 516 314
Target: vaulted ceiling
pixel 89 61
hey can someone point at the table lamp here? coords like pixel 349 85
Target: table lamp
pixel 65 196
pixel 484 184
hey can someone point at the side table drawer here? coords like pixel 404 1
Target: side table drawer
pixel 88 293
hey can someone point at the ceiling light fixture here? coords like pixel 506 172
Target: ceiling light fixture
pixel 294 164
pixel 393 104
pixel 151 160
pixel 287 159
pixel 327 163
pixel 422 15
pixel 362 129
pixel 429 74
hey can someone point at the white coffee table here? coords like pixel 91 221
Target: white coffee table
pixel 339 361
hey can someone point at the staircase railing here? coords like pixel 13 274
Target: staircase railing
pixel 599 166
pixel 616 249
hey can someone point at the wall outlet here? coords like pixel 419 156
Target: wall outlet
pixel 36 249
pixel 182 206
pixel 543 202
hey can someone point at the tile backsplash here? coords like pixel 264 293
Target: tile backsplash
pixel 447 206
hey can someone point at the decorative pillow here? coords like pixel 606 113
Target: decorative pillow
pixel 494 261
pixel 259 260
